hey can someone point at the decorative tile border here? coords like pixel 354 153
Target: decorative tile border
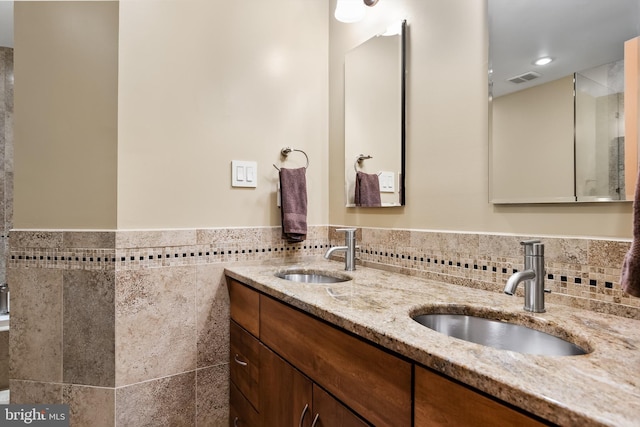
pixel 580 271
pixel 35 252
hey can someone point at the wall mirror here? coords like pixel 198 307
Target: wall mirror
pixel 374 116
pixel 557 132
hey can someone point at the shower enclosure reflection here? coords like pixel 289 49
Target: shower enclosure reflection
pixel 600 133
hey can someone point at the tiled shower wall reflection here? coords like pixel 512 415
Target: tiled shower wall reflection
pixel 131 328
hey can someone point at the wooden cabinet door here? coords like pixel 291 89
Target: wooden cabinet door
pixel 285 393
pixel 374 383
pixel 328 412
pixel 244 363
pixel 440 402
pixel 241 413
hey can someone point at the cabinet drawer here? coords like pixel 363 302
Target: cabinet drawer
pixel 241 413
pixel 374 383
pixel 244 363
pixel 442 402
pixel 245 306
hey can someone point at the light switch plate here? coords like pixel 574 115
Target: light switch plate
pixel 387 182
pixel 244 173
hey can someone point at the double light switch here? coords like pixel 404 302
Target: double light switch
pixel 244 174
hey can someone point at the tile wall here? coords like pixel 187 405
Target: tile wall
pixel 132 326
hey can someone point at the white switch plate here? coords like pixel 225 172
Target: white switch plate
pixel 244 174
pixel 387 182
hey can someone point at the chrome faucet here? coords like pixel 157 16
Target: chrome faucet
pixel 532 276
pixel 349 248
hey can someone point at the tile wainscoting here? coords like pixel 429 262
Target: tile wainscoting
pixel 133 325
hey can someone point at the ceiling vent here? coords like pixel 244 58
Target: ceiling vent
pixel 523 78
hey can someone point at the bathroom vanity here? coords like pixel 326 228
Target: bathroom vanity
pixel 349 354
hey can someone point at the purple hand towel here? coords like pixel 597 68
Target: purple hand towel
pixel 293 210
pixel 630 276
pixel 367 190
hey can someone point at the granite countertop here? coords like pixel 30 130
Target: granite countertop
pixel 599 388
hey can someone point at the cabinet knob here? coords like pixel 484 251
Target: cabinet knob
pixel 302 415
pixel 315 420
pixel 238 361
pixel 235 422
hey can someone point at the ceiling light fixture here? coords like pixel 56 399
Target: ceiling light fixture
pixel 349 11
pixel 543 61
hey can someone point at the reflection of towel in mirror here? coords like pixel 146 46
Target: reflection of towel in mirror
pixel 293 191
pixel 630 277
pixel 367 190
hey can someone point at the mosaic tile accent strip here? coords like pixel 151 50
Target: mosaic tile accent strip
pixel 579 270
pixel 576 268
pixel 35 254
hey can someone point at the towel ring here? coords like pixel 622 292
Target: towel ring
pixel 360 159
pixel 285 152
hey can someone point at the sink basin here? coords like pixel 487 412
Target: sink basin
pixel 306 276
pixel 499 334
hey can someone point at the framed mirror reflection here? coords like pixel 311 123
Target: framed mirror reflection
pixel 562 120
pixel 374 108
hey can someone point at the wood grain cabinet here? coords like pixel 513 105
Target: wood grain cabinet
pixel 295 370
pixel 288 368
pixel 440 402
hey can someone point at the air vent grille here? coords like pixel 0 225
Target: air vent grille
pixel 523 78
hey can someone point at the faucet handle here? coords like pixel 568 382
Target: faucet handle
pixel 529 242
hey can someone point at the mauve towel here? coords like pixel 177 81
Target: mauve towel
pixel 630 276
pixel 293 209
pixel 367 190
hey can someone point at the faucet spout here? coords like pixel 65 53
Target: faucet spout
pixel 515 279
pixel 330 251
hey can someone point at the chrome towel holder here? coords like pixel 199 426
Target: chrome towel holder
pixel 285 152
pixel 359 161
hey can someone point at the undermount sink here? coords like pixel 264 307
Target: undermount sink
pixel 499 334
pixel 307 276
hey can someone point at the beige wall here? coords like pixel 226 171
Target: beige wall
pixel 533 127
pixel 447 144
pixel 202 83
pixel 65 130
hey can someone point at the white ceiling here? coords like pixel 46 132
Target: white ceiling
pixel 579 34
pixel 6 23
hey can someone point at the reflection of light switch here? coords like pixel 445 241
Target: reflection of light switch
pixel 244 174
pixel 387 182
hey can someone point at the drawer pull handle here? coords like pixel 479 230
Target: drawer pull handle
pixel 235 422
pixel 238 361
pixel 315 420
pixel 304 412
